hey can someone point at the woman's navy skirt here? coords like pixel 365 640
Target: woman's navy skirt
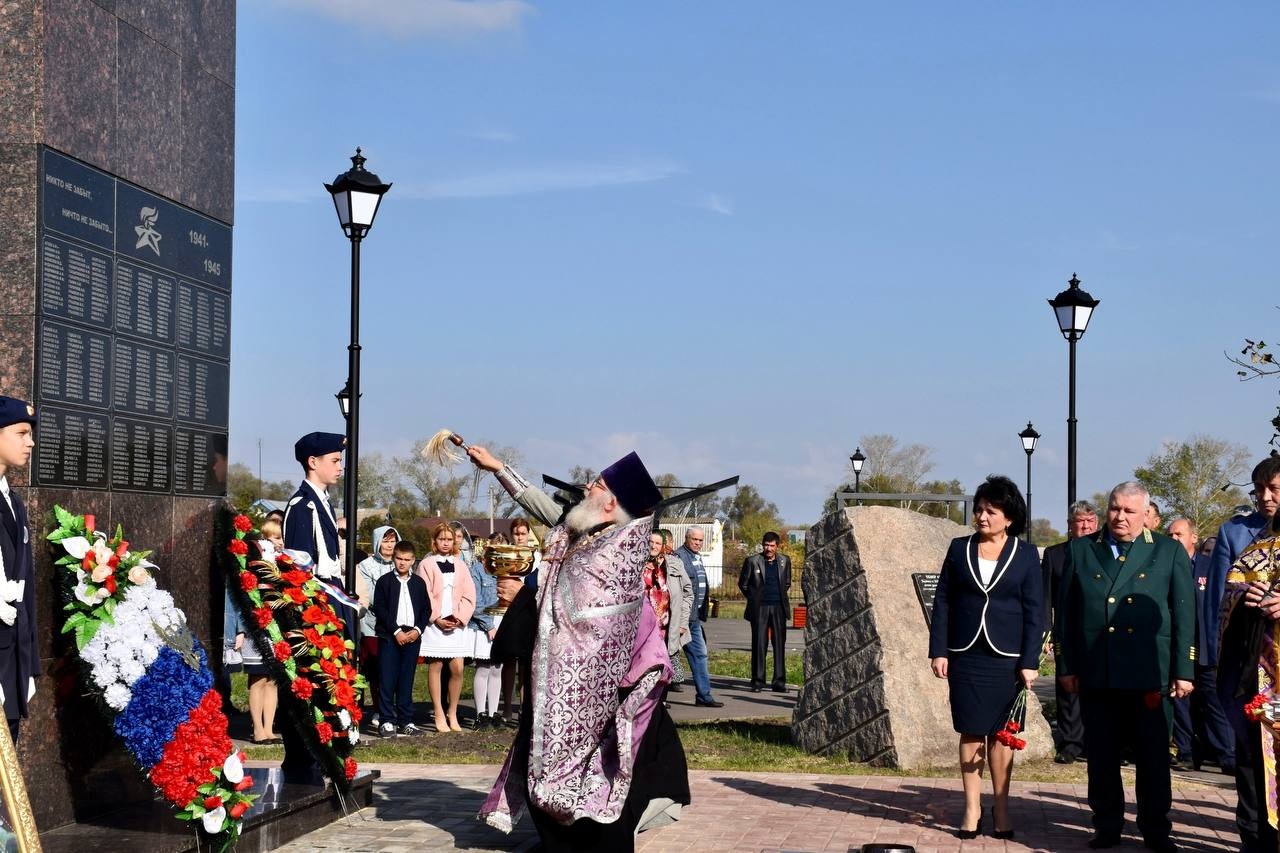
pixel 983 686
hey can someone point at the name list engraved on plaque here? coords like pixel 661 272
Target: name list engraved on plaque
pixel 141 456
pixel 193 461
pixel 204 320
pixel 145 302
pixel 74 366
pixel 143 379
pixel 133 336
pixel 71 448
pixel 75 282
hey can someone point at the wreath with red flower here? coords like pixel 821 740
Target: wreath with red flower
pixel 300 636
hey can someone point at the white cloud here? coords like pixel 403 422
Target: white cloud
pixel 715 203
pixel 549 178
pixel 429 18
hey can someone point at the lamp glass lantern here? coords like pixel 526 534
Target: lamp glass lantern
pixel 856 460
pixel 1029 438
pixel 344 400
pixel 357 193
pixel 1073 307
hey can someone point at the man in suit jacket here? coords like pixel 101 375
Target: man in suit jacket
pixel 1233 538
pixel 1082 520
pixel 19 659
pixel 1125 624
pixel 401 612
pixel 765 580
pixel 690 556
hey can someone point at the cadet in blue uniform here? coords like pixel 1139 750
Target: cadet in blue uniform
pixel 1125 624
pixel 19 660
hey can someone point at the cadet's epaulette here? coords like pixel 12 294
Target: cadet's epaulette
pixel 1192 653
pixel 295 499
pixel 1146 536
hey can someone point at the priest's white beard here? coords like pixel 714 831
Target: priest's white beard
pixel 590 512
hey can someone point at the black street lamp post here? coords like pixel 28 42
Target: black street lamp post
pixel 1073 308
pixel 356 196
pixel 856 461
pixel 1029 438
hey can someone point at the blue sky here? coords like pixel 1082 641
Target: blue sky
pixel 738 236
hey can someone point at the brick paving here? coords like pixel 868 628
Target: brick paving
pixel 432 807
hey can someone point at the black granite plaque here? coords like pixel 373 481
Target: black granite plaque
pixel 145 301
pixel 134 336
pixel 202 391
pixel 195 462
pixel 78 200
pixel 141 455
pixel 75 282
pixel 926 584
pixel 143 379
pixel 204 320
pixel 71 448
pixel 157 231
pixel 75 366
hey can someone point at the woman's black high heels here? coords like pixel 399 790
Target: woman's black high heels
pixel 1001 834
pixel 970 834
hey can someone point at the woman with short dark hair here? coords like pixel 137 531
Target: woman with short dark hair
pixel 985 639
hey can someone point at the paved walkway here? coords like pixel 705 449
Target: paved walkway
pixel 420 807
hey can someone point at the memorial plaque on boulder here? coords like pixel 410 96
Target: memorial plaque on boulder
pixel 868 691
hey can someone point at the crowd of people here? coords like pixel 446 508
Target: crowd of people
pixel 1165 650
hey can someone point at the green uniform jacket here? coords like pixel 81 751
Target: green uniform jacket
pixel 1127 624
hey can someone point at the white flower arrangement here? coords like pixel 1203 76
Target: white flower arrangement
pixel 120 651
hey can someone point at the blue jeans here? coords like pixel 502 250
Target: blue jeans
pixel 696 653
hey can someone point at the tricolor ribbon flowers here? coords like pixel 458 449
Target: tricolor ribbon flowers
pixel 152 676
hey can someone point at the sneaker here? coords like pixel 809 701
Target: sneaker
pixel 410 730
pixel 375 722
pixel 387 730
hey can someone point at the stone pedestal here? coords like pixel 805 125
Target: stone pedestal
pixel 142 90
pixel 868 690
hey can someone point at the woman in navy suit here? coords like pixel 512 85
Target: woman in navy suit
pixel 985 639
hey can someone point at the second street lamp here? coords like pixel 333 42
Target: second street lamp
pixel 1029 438
pixel 1073 308
pixel 357 193
pixel 856 461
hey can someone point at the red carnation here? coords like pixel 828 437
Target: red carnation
pixel 283 650
pixel 295 594
pixel 212 803
pixel 329 668
pixel 302 688
pixel 313 636
pixel 324 731
pixel 248 581
pixel 264 616
pixel 237 811
pixel 110 584
pixel 349 672
pixel 350 768
pixel 314 615
pixel 1015 726
pixel 242 523
pixel 1019 743
pixel 356 714
pixel 295 577
pixel 344 694
pixel 238 547
pixel 284 559
pixel 245 784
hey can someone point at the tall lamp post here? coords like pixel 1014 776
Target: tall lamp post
pixel 1029 438
pixel 856 461
pixel 1073 307
pixel 356 196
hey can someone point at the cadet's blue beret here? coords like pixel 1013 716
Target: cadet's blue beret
pixel 318 444
pixel 15 411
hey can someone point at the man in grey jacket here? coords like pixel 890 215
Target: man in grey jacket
pixel 696 649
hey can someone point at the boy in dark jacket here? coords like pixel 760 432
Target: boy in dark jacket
pixel 402 610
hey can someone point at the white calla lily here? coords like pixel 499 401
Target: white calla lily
pixel 76 546
pixel 213 820
pixel 232 769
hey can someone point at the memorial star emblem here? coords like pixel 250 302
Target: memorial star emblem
pixel 148 236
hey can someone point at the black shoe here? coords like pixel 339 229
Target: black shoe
pixel 676 687
pixel 779 688
pixel 482 721
pixel 708 703
pixel 1180 764
pixel 1103 840
pixel 1064 758
pixel 1002 834
pixel 1160 845
pixel 970 834
pixel 756 688
pixel 1228 770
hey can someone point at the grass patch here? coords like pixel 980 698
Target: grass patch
pixel 737 664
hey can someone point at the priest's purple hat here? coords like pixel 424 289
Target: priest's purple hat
pixel 631 484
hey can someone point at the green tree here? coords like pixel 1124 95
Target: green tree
pixel 1186 478
pixel 1043 533
pixel 746 502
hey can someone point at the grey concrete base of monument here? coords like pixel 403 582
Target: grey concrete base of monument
pixel 281 814
pixel 869 692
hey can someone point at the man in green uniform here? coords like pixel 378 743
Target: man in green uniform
pixel 1125 624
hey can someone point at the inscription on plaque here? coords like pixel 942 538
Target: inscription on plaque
pixel 141 455
pixel 71 448
pixel 74 365
pixel 145 302
pixel 75 282
pixel 134 318
pixel 926 584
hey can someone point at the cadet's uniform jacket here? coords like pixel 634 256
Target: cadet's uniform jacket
pixel 1126 623
pixel 305 516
